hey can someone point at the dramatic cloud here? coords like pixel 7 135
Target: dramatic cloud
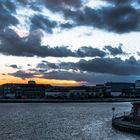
pixel 98 70
pixel 57 4
pixel 138 53
pixel 115 16
pixel 47 65
pixel 111 66
pixel 87 78
pixel 67 25
pixel 115 66
pixel 29 46
pixel 42 22
pixel 7 18
pixel 12 44
pixel 90 52
pixel 114 50
pixel 22 74
pixel 14 66
pixel 64 75
pixel 119 18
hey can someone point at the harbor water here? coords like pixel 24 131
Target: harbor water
pixel 61 121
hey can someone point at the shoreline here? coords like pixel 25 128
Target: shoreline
pixel 69 100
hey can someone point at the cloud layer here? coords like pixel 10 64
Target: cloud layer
pixel 13 44
pixel 115 66
pixel 97 70
pixel 116 16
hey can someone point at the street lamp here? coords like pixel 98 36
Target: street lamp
pixel 113 110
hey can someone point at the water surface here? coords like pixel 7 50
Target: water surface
pixel 65 121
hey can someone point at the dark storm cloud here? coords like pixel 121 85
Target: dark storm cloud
pixel 22 74
pixel 90 52
pixel 65 75
pixel 9 5
pixel 67 25
pixel 115 66
pixel 29 65
pixel 120 1
pixel 56 5
pixel 12 44
pixel 98 70
pixel 115 50
pixel 88 78
pixel 24 2
pixel 47 65
pixel 119 18
pixel 138 53
pixel 13 66
pixel 42 22
pixel 74 3
pixel 7 9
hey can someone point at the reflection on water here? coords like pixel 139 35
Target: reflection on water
pixel 69 121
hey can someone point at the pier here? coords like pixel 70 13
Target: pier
pixel 129 122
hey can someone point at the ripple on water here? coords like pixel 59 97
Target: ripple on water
pixel 88 121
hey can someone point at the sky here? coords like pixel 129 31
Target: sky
pixel 69 42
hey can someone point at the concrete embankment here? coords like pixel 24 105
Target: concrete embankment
pixel 68 100
pixel 126 126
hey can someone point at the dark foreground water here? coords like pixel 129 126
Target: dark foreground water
pixel 65 121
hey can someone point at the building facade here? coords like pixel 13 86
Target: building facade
pixel 116 88
pixel 30 90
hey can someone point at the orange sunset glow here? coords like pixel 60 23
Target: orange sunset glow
pixel 10 79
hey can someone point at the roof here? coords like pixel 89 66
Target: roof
pixel 28 85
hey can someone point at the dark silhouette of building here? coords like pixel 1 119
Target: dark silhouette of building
pixel 116 88
pixel 30 90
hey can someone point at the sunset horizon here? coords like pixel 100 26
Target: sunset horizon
pixel 74 43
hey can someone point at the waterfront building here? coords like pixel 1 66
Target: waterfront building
pixel 30 90
pixel 117 87
pixel 99 90
pixel 57 92
pixel 129 92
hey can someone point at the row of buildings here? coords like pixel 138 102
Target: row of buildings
pixel 109 89
pixel 24 91
pixel 33 90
